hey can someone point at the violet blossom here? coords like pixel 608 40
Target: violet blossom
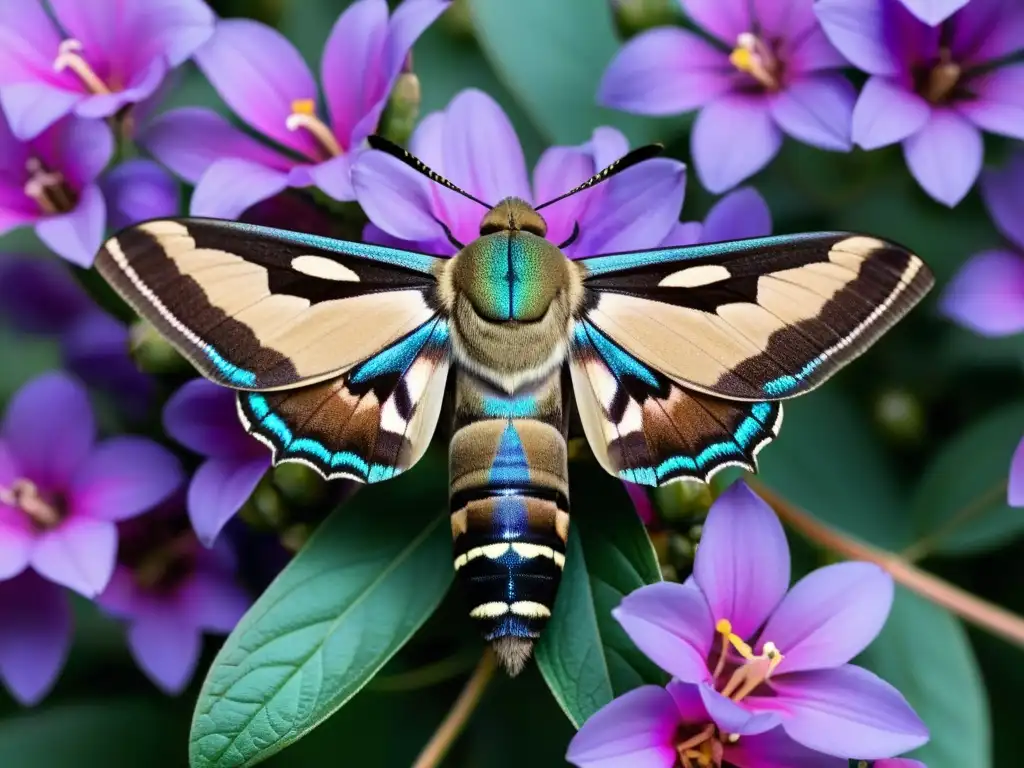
pixel 62 493
pixel 266 82
pixel 934 89
pixel 740 214
pixel 202 416
pixel 91 58
pixel 170 590
pixel 35 635
pixel 738 631
pixel 767 71
pixel 473 145
pixel 934 12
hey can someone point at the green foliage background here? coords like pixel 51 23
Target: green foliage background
pixel 907 450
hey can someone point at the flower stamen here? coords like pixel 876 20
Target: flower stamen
pixel 69 57
pixel 757 669
pixel 699 748
pixel 753 56
pixel 24 495
pixel 304 116
pixel 942 79
pixel 163 566
pixel 48 188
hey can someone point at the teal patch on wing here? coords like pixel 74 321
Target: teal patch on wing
pixel 647 429
pixel 369 425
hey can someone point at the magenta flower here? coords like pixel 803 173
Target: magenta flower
pixel 652 727
pixel 733 629
pixel 61 493
pixel 473 144
pixel 91 58
pixel 35 635
pixel 264 79
pixel 170 590
pixel 935 89
pixel 202 417
pixel 741 213
pixel 768 71
pixel 987 294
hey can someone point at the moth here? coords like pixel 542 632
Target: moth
pixel 677 360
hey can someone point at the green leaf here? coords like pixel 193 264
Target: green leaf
pixel 960 505
pixel 585 656
pixel 367 579
pixel 552 56
pixel 827 462
pixel 924 651
pixel 114 733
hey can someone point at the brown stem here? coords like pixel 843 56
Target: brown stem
pixel 923 546
pixel 972 608
pixel 435 750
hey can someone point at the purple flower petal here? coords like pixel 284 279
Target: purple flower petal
pixel 218 490
pixel 79 554
pixel 811 50
pixel 79 148
pixel 77 235
pixel 202 417
pixel 945 156
pixel 817 110
pixel 35 635
pixel 334 177
pixel 395 197
pixel 40 295
pixel 50 428
pixel 230 186
pixel 987 294
pixel 1003 190
pixel 987 30
pixel 124 477
pixel 138 190
pixel 1015 489
pixel 559 170
pixel 898 762
pixel 858 30
pixel 260 75
pixel 635 730
pixel 351 62
pixel 999 103
pixel 733 138
pixel 933 12
pixel 214 601
pixel 741 213
pixel 166 649
pixel 829 616
pixel 673 627
pixel 665 71
pixel 28 42
pixel 730 717
pixel 685 233
pixel 191 139
pixel 775 749
pixel 742 560
pixel 31 108
pixel 847 712
pixel 725 19
pixel 143 84
pixel 17 536
pixel 886 112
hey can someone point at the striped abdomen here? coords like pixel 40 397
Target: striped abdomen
pixel 509 508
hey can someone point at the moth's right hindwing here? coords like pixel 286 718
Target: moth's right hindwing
pixel 258 308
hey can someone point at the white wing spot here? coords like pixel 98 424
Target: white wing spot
pixel 692 277
pixel 325 269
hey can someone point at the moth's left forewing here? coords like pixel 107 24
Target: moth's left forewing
pixel 759 319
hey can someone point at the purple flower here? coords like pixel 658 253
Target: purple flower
pixel 767 72
pixel 652 727
pixel 264 79
pixel 35 635
pixel 53 182
pixel 741 213
pixel 987 295
pixel 472 143
pixel 733 629
pixel 61 493
pixel 98 57
pixel 933 88
pixel 202 417
pixel 170 590
pixel 933 12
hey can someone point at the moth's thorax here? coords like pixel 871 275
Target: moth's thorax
pixel 511 294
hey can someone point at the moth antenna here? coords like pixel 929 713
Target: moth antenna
pixel 572 238
pixel 379 142
pixel 638 155
pixel 449 235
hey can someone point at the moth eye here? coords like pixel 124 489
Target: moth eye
pixel 490 228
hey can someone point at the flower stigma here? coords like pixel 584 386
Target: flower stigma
pixel 24 496
pixel 69 57
pixel 755 57
pixel 304 116
pixel 941 80
pixel 48 188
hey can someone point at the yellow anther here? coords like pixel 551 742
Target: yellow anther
pixel 304 116
pixel 304 107
pixel 723 627
pixel 756 58
pixel 742 60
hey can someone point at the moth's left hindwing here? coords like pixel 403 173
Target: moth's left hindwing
pixel 340 349
pixel 259 308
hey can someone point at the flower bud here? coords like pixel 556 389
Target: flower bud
pixel 403 107
pixel 265 510
pixel 635 16
pixel 152 352
pixel 298 484
pixel 682 502
pixel 900 416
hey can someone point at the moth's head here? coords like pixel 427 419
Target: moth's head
pixel 511 273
